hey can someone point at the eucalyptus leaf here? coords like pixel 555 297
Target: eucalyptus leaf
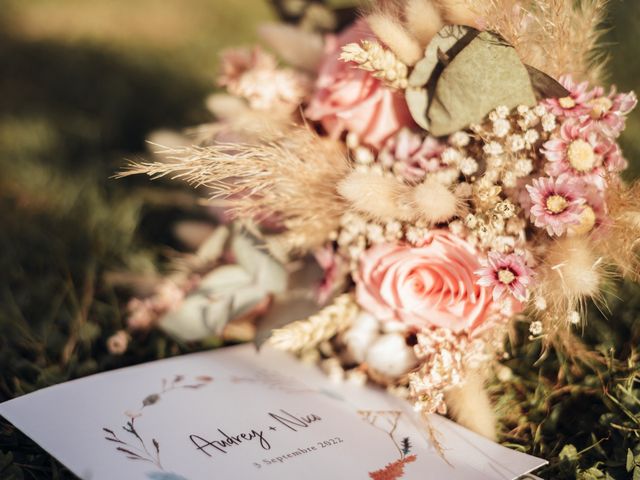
pixel 544 85
pixel 197 318
pixel 417 92
pixel 266 271
pixel 486 74
pixel 213 247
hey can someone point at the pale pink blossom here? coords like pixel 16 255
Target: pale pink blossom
pixel 142 315
pixel 576 104
pixel 506 273
pixel 412 155
pixel 255 76
pixel 118 342
pixel 349 99
pixel 614 161
pixel 556 203
pixel 594 216
pixel 333 266
pixel 431 285
pixel 608 112
pixel 577 151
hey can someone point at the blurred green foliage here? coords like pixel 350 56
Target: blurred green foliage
pixel 82 83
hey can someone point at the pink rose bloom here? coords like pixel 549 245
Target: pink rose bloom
pixel 433 285
pixel 347 98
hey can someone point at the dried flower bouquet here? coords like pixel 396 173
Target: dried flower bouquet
pixel 449 168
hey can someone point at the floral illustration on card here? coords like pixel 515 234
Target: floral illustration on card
pixel 387 421
pixel 133 444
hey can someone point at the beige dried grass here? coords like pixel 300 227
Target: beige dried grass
pixel 292 177
pixel 556 36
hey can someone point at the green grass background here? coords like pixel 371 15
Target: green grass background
pixel 82 83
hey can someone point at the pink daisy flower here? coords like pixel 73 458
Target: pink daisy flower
pixel 579 152
pixel 556 203
pixel 506 273
pixel 576 104
pixel 608 112
pixel 594 216
pixel 614 161
pixel 412 155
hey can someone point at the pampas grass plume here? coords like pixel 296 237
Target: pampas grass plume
pixel 393 34
pixel 434 202
pixel 423 20
pixel 376 195
pixel 470 406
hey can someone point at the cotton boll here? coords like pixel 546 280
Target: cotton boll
pixel 391 32
pixel 458 12
pixel 575 265
pixel 362 333
pixel 390 356
pixel 376 195
pixel 470 406
pixel 434 202
pixel 423 20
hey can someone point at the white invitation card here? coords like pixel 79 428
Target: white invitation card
pixel 235 413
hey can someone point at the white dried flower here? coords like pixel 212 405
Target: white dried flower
pixel 523 167
pixel 501 127
pixel 468 166
pixel 536 328
pixel 459 139
pixel 539 110
pixel 450 156
pixel 574 318
pixel 549 122
pixel 502 111
pixel 493 148
pixel 522 109
pixel 516 143
pixel 506 209
pixel 531 136
pixel 471 221
pixel 509 179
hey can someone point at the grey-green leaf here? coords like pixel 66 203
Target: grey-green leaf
pixel 544 85
pixel 417 93
pixel 630 460
pixel 484 75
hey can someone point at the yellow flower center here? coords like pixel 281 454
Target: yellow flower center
pixel 600 106
pixel 567 102
pixel 557 204
pixel 506 276
pixel 581 155
pixel 587 222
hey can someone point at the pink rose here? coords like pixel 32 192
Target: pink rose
pixel 433 285
pixel 347 98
